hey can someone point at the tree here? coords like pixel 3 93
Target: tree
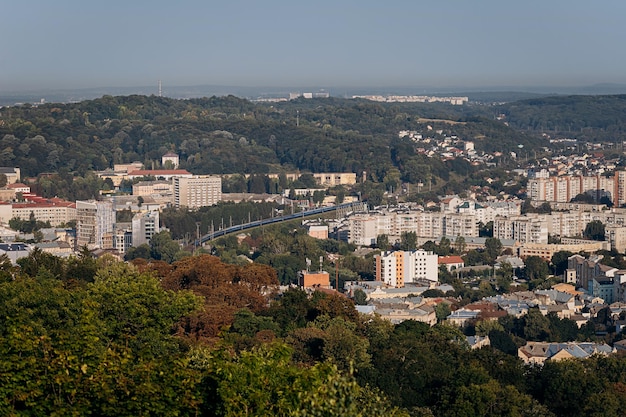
pixel 360 298
pixel 536 326
pixel 442 311
pixel 493 248
pixel 3 180
pixel 265 382
pixel 460 245
pixel 559 261
pixel 162 247
pixel 382 242
pixel 443 248
pixel 594 230
pixel 536 268
pixel 408 241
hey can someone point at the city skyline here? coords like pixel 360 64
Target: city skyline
pixel 72 44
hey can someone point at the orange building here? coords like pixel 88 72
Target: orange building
pixel 320 279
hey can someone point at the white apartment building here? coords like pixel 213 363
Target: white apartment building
pixel 362 229
pixel 94 223
pixel 563 189
pixel 524 229
pixel 197 191
pixel 144 226
pixel 397 268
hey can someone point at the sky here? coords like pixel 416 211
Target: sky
pixel 62 44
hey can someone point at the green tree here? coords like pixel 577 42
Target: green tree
pixel 360 298
pixel 594 230
pixel 264 382
pixel 408 241
pixel 536 268
pixel 162 247
pixel 559 260
pixel 382 242
pixel 444 247
pixel 493 248
pixel 460 245
pixel 442 311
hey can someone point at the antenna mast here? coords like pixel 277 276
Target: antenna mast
pixel 160 90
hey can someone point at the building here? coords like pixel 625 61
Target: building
pixel 397 268
pixel 148 188
pixel 144 226
pixel 318 231
pixel 319 279
pixel 362 229
pixel 537 353
pixel 94 224
pixel 170 160
pixel 331 179
pixel 56 211
pixel 451 262
pixel 198 191
pixel 529 228
pixel 13 174
pixel 166 174
pixel 15 251
pixel 126 168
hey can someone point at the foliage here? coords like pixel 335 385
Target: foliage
pixel 276 386
pixel 594 230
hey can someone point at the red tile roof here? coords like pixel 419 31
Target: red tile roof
pixel 157 172
pixel 454 259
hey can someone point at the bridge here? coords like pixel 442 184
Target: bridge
pixel 342 210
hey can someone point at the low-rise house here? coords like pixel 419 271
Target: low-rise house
pixel 451 262
pixel 462 317
pixel 477 342
pixel 537 353
pixel 15 251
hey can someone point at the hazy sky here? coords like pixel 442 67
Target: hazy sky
pixel 433 43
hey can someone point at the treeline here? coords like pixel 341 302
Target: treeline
pixel 231 135
pixel 200 337
pixel 591 118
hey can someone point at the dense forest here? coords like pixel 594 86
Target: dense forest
pixel 590 118
pixel 199 337
pixel 232 135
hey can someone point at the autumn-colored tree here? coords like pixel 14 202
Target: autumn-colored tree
pixel 226 289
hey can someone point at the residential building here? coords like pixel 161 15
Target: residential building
pixel 94 224
pixel 530 228
pixel 451 262
pixel 537 353
pixel 362 229
pixel 15 251
pixel 396 268
pixel 197 191
pixel 144 226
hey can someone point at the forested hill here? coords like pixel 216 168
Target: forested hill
pixel 592 118
pixel 228 134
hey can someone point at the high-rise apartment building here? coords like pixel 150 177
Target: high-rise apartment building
pixel 94 222
pixel 197 191
pixel 144 226
pixel 397 268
